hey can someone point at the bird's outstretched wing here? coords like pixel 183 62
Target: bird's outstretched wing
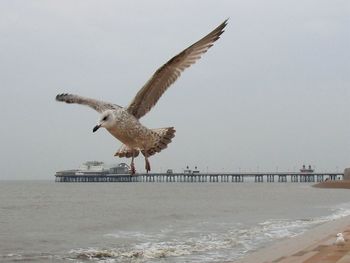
pixel 97 105
pixel 166 75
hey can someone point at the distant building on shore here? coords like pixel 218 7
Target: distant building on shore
pixel 121 168
pixel 92 166
pixel 97 168
pixel 189 171
pixel 347 174
pixel 306 170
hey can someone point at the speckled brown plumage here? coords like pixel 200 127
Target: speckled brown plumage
pixel 124 124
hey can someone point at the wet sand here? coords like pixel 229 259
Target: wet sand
pixel 314 246
pixel 334 184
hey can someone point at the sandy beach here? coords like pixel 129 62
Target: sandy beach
pixel 314 246
pixel 334 184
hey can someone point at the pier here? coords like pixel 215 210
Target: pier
pixel 199 177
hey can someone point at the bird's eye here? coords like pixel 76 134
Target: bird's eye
pixel 105 118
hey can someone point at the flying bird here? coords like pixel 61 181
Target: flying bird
pixel 124 122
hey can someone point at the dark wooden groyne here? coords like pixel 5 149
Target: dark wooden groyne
pixel 199 178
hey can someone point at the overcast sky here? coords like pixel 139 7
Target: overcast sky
pixel 272 93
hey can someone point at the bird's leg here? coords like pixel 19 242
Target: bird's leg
pixel 147 166
pixel 132 165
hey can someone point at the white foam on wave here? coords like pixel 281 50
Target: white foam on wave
pixel 271 230
pixel 183 246
pixel 339 211
pixel 227 241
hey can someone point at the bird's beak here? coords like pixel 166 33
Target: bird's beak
pixel 96 128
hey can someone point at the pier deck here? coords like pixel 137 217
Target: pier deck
pixel 200 178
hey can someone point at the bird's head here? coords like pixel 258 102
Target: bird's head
pixel 339 234
pixel 105 121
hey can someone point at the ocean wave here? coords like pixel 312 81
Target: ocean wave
pixel 149 251
pixel 227 241
pixel 28 257
pixel 136 235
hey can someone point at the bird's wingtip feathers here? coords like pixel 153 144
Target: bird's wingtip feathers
pixel 64 97
pixel 59 97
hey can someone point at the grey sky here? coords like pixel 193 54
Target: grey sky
pixel 272 92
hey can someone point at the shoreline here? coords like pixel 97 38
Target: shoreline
pixel 344 184
pixel 314 246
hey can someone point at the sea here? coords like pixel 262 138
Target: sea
pixel 44 221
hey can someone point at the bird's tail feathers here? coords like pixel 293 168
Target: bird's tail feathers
pixel 165 136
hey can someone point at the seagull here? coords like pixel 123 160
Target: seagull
pixel 340 241
pixel 124 122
